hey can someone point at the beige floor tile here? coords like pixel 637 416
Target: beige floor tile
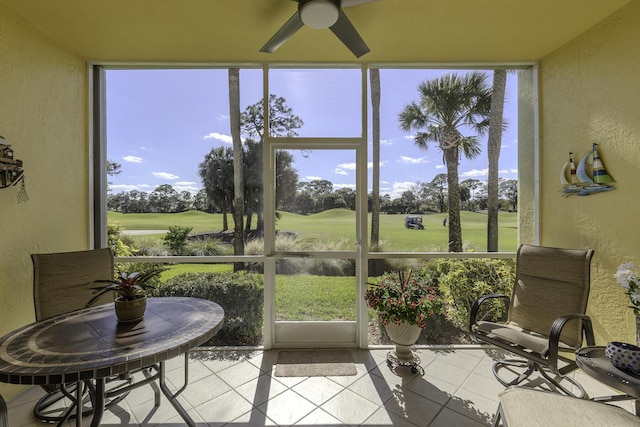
pixel 287 408
pixel 224 408
pixel 373 388
pixel 317 389
pixel 384 417
pixel 261 389
pixel 350 408
pixel 204 390
pixel 472 405
pixel 483 385
pixel 442 370
pixel 238 389
pixel 450 418
pixel 319 418
pixel 432 388
pixel 413 407
pixel 239 374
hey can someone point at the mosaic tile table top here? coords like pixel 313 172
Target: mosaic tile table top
pixel 90 343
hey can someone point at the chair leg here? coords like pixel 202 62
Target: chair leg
pixel 497 417
pixel 581 392
pixel 528 367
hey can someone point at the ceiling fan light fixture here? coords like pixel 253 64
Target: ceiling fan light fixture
pixel 319 14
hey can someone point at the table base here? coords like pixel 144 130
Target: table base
pixel 101 394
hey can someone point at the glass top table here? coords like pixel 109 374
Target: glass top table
pixel 90 344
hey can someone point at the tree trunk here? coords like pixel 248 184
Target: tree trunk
pixel 225 220
pixel 238 166
pixel 247 227
pixel 455 229
pixel 493 151
pixel 375 197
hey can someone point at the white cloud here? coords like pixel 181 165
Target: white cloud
pixel 189 186
pixel 312 178
pixel 132 159
pixel 475 173
pixel 117 188
pixel 341 171
pixel 412 160
pixel 339 186
pixel 165 175
pixel 352 166
pixel 123 187
pixel 219 137
pixel 399 187
pixel 386 142
pixel 440 166
pixel 347 166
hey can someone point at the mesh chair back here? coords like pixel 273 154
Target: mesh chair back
pixel 60 280
pixel 550 282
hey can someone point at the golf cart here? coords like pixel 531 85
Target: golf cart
pixel 413 222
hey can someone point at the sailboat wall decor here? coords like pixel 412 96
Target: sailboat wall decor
pixel 580 182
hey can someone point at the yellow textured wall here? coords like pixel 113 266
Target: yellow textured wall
pixel 43 115
pixel 590 92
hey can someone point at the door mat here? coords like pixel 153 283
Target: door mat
pixel 314 363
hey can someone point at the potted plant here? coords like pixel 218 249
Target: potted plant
pixel 404 304
pixel 131 298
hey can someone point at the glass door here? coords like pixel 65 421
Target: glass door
pixel 312 267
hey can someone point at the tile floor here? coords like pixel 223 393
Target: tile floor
pixel 238 389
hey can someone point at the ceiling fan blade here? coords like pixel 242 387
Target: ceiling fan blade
pixel 346 32
pixel 349 3
pixel 288 29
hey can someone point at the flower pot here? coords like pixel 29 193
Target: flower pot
pixel 129 311
pixel 403 336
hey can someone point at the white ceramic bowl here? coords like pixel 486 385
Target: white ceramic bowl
pixel 624 356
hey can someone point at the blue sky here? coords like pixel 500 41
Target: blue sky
pixel 161 123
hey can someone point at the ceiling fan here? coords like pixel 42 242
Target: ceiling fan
pixel 322 14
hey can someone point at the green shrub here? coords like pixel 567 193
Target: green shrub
pixel 462 281
pixel 176 239
pixel 241 295
pixel 118 247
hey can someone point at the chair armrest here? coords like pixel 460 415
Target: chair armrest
pixel 556 331
pixel 478 303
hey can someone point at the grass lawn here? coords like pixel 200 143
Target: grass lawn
pixel 338 225
pixel 304 297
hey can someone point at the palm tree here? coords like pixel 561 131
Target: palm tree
pixel 493 151
pixel 445 107
pixel 216 172
pixel 238 165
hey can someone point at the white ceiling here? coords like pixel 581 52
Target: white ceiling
pixel 202 31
